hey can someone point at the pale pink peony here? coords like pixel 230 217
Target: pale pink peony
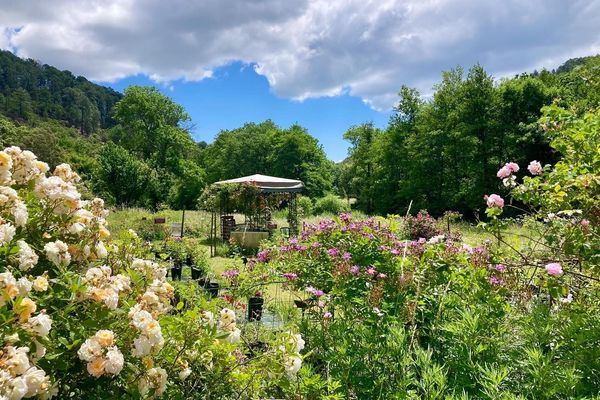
pixel 493 200
pixel 554 269
pixel 535 168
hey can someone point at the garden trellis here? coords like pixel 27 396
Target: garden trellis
pixel 253 196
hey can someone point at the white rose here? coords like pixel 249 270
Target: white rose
pixel 141 346
pixel 40 324
pixel 24 286
pixel 183 375
pixel 36 381
pixel 114 361
pixel 89 350
pixel 293 363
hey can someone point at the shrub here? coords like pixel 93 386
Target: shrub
pixel 305 206
pixel 421 226
pixel 330 204
pixel 437 318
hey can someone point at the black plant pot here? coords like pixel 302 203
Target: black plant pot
pixel 176 272
pixel 301 304
pixel 203 282
pixel 197 273
pixel 189 261
pixel 255 308
pixel 213 289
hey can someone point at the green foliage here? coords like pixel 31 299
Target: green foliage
pixel 305 206
pixel 150 130
pixel 29 90
pixel 330 204
pixel 122 178
pixel 268 149
pixel 441 154
pixel 187 186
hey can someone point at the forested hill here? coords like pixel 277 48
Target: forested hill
pixel 29 89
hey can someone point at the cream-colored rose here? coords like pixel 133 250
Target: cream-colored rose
pixel 96 367
pixel 105 337
pixel 25 309
pixel 40 284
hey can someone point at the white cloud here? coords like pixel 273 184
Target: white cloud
pixel 305 48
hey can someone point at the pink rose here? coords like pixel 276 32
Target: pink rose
pixel 493 200
pixel 585 224
pixel 513 167
pixel 503 172
pixel 554 269
pixel 535 168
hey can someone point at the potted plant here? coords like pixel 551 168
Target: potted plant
pixel 213 289
pixel 176 270
pixel 255 307
pixel 197 260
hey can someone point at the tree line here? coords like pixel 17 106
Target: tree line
pixel 442 153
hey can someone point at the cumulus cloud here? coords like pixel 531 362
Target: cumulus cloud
pixel 305 48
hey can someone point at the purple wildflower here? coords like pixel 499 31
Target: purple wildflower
pixel 290 276
pixel 346 216
pixel 494 280
pixel 263 256
pixel 232 273
pixel 333 252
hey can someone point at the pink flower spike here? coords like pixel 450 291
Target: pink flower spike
pixel 554 269
pixel 327 315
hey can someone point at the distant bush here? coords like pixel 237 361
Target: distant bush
pixel 422 225
pixel 330 204
pixel 305 206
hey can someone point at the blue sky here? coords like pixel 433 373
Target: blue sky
pixel 325 64
pixel 236 94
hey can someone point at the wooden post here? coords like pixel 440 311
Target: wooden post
pixel 182 221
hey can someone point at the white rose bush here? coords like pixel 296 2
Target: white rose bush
pixel 83 315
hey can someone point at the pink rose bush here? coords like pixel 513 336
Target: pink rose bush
pixel 461 314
